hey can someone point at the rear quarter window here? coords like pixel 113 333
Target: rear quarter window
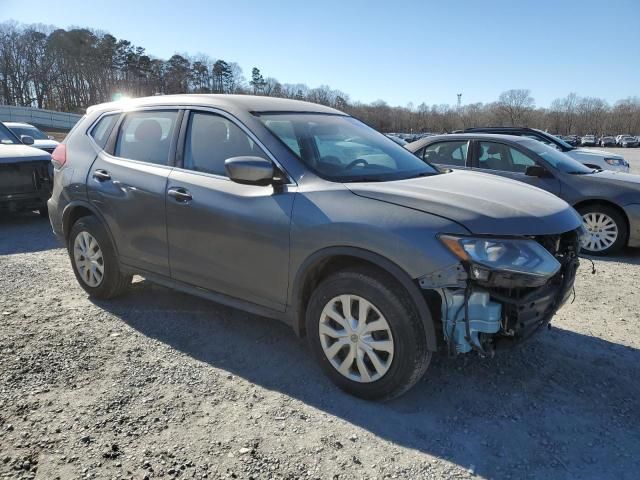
pixel 100 131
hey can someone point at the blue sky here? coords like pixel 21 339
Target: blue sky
pixel 399 51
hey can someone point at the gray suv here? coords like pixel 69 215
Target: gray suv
pixel 300 212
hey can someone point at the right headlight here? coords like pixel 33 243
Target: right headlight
pixel 618 162
pixel 515 256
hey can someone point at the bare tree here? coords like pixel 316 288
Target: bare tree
pixel 516 105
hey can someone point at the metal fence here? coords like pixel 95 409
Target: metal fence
pixel 44 119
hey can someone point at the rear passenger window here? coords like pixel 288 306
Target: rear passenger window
pixel 212 139
pixel 146 136
pixel 447 153
pixel 101 130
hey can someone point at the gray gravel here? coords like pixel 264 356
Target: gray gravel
pixel 160 384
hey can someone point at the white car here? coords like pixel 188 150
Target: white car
pixel 40 139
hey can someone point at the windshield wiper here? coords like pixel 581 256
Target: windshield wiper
pixel 361 179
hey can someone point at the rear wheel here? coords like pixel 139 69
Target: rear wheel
pixel 94 260
pixel 365 333
pixel 606 227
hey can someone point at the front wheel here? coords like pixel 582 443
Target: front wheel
pixel 365 333
pixel 606 227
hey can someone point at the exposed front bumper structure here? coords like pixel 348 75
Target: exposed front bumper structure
pixel 500 312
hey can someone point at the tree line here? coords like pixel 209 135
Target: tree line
pixel 69 70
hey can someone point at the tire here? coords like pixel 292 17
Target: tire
pixel 43 212
pixel 409 358
pixel 592 212
pixel 112 282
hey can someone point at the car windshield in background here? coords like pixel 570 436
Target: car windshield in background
pixel 31 131
pixel 557 139
pixel 557 159
pixel 343 149
pixel 6 137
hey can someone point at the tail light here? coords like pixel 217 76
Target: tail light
pixel 59 155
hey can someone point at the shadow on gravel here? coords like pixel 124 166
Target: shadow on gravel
pixel 627 255
pixel 24 233
pixel 562 406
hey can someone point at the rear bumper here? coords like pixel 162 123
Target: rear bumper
pixel 17 202
pixel 633 214
pixel 56 220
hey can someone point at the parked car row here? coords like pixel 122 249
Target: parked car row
pixel 380 255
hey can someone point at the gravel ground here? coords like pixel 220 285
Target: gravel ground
pixel 160 384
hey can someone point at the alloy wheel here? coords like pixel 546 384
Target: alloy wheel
pixel 88 259
pixel 603 231
pixel 356 338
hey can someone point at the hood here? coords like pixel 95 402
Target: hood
pixel 618 178
pixel 21 153
pixel 586 153
pixel 483 203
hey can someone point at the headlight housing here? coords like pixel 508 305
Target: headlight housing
pixel 515 261
pixel 617 162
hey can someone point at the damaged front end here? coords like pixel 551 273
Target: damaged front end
pixel 504 289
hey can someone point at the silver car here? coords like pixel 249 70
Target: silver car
pixel 300 212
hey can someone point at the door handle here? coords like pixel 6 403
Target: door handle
pixel 101 175
pixel 180 194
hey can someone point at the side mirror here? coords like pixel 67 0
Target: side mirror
pixel 250 170
pixel 26 139
pixel 537 171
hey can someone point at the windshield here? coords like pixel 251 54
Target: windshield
pixel 6 137
pixel 343 149
pixel 31 131
pixel 557 159
pixel 559 141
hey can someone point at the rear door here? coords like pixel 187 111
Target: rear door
pixel 507 161
pixel 225 237
pixel 127 183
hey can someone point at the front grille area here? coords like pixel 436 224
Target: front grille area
pixel 526 310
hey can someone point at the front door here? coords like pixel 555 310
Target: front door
pixel 504 160
pixel 226 237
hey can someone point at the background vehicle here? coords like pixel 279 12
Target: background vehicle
pixel 588 141
pixel 609 202
pixel 41 139
pixel 590 157
pixel 378 252
pixel 398 140
pixel 26 175
pixel 628 142
pixel 607 142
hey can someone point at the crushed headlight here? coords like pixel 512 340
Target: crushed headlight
pixel 618 162
pixel 515 256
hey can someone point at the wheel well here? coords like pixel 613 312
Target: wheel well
pixel 326 267
pixel 73 216
pixel 590 165
pixel 588 203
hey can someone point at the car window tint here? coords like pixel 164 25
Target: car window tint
pixel 284 131
pixel 497 156
pixel 212 139
pixel 448 153
pixel 146 136
pixel 101 130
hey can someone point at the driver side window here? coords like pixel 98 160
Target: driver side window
pixel 497 156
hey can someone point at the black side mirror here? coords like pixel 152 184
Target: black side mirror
pixel 27 139
pixel 537 171
pixel 250 170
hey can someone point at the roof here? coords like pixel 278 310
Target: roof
pixel 471 136
pixel 249 103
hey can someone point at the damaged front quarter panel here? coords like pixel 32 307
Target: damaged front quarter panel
pixel 488 310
